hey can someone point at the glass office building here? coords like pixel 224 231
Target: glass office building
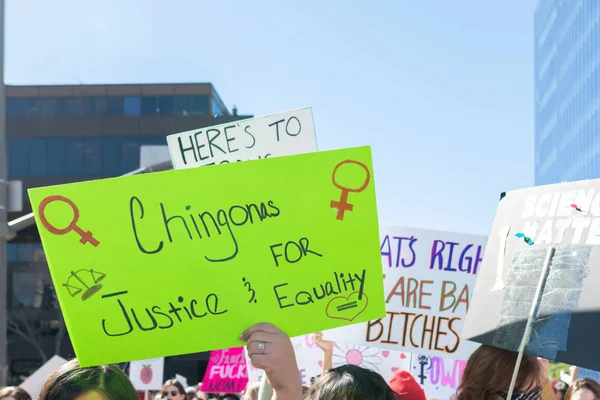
pixel 62 134
pixel 567 90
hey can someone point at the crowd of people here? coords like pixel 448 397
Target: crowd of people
pixel 487 375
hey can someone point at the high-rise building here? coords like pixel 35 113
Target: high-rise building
pixel 62 134
pixel 567 90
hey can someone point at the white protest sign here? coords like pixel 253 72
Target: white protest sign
pixel 33 384
pixel 428 277
pixel 438 376
pixel 283 134
pixel 384 362
pixel 182 380
pixel 147 374
pixel 310 359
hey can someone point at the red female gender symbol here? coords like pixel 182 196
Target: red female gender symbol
pixel 342 205
pixel 86 237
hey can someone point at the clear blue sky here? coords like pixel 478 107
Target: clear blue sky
pixel 442 90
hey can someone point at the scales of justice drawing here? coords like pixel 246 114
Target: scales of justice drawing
pixel 86 281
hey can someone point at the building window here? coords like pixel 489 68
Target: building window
pixel 27 289
pixel 149 105
pixel 132 106
pixel 130 155
pixel 37 157
pixel 100 106
pixel 111 156
pixel 216 109
pixel 12 252
pixel 75 107
pixel 48 107
pixel 183 105
pixel 200 105
pixel 56 157
pixel 17 157
pixel 15 107
pixel 92 156
pixel 75 165
pixel 115 106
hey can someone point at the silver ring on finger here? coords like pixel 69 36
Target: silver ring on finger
pixel 261 347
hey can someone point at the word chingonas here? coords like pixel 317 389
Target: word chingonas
pixel 194 225
pixel 156 317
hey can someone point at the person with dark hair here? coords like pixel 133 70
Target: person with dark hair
pixel 105 382
pixel 14 393
pixel 488 373
pixel 173 390
pixel 583 389
pixel 350 382
pixel 229 396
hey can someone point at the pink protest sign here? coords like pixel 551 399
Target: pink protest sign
pixel 226 371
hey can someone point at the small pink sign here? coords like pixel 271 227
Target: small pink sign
pixel 226 372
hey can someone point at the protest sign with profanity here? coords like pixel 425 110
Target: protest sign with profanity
pixel 282 134
pixel 226 371
pixel 429 277
pixel 147 374
pixel 438 376
pixel 146 266
pixel 529 223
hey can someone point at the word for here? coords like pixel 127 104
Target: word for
pixel 200 225
pixel 155 316
pixel 420 331
pixel 292 251
pixel 206 143
pixel 413 294
pixel 467 261
pixel 439 375
pixel 341 283
pixel 554 231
